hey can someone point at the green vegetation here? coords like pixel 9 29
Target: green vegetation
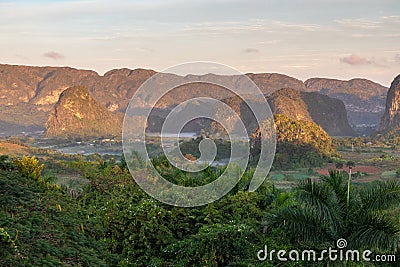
pixel 29 167
pixel 365 144
pixel 321 214
pixel 88 211
pixel 300 144
pixel 192 147
pixel 41 225
pixel 303 133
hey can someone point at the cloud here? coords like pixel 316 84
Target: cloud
pixel 270 42
pixel 143 49
pixel 251 50
pixel 359 23
pixel 53 55
pixel 391 19
pixel 301 27
pixel 362 35
pixel 355 60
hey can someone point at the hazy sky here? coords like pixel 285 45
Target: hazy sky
pixel 314 38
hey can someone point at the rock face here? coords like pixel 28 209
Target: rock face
pixel 364 99
pixel 391 117
pixel 327 112
pixel 38 85
pixel 77 114
pixel 289 102
pixel 34 91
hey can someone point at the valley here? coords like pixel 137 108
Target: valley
pixel 199 133
pixel 72 198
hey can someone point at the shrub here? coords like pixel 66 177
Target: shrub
pixel 7 243
pixel 29 167
pixel 5 163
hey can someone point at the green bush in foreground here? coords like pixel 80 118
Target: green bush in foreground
pixel 42 226
pixel 29 167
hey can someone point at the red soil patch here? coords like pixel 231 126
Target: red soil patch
pixel 360 168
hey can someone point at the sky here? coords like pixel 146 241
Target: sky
pixel 304 39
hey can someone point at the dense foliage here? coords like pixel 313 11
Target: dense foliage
pixel 328 210
pixel 42 225
pixel 112 222
pixel 300 144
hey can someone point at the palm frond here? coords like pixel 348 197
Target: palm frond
pixel 336 181
pixel 381 195
pixel 320 197
pixel 301 223
pixel 376 232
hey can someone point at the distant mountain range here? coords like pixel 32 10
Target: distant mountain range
pixel 364 99
pixel 34 94
pixel 328 112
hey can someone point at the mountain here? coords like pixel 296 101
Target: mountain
pixel 77 114
pixel 290 103
pixel 32 92
pixel 41 86
pixel 391 118
pixel 22 117
pixel 364 99
pixel 327 112
pixel 300 143
pixel 271 82
pixel 303 133
pixel 330 113
pixel 314 107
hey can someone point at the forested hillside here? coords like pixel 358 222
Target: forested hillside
pixel 109 221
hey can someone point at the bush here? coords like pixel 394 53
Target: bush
pixel 7 243
pixel 5 163
pixel 29 167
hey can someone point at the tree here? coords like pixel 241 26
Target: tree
pixel 350 164
pixel 339 165
pixel 44 226
pixel 29 167
pixel 321 215
pixel 5 163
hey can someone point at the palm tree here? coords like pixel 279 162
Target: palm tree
pixel 350 164
pixel 339 165
pixel 321 215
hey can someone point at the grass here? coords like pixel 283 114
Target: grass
pixel 12 149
